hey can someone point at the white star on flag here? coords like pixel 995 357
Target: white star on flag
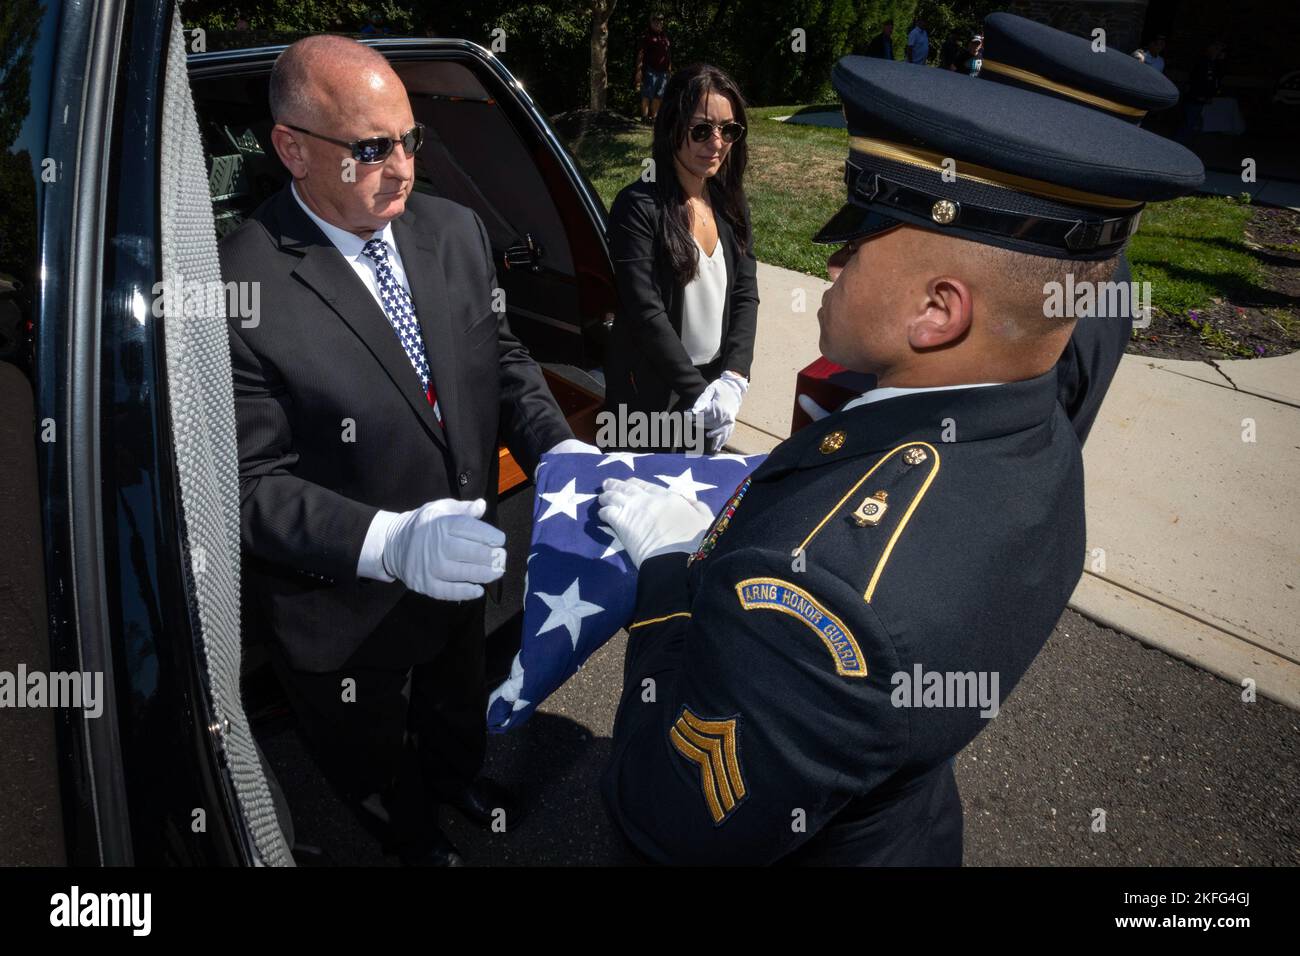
pixel 624 457
pixel 684 484
pixel 567 610
pixel 509 689
pixel 565 501
pixel 615 545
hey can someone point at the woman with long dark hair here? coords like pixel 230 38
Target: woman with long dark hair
pixel 680 237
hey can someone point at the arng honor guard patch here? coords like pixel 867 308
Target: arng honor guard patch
pixel 773 594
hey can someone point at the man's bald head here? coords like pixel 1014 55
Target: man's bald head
pixel 314 74
pixel 328 91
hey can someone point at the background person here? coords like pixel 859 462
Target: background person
pixel 682 244
pixel 918 43
pixel 654 62
pixel 1153 54
pixel 972 61
pixel 953 53
pixel 1202 86
pixel 882 46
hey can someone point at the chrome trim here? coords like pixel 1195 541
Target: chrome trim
pixel 85 311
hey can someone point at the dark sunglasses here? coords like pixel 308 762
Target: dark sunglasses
pixel 731 132
pixel 376 149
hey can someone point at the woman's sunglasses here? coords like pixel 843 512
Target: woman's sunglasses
pixel 377 148
pixel 731 132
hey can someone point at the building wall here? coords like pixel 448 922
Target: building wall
pixel 1123 20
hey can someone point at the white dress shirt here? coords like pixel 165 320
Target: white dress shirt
pixel 703 300
pixel 349 245
pixel 890 391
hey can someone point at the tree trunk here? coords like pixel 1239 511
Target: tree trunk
pixel 601 11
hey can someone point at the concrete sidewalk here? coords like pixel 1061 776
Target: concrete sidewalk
pixel 1193 529
pixel 1193 518
pixel 786 342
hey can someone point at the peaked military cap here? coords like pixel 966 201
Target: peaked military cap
pixel 1036 57
pixel 994 163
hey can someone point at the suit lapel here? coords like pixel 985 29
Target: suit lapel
pixel 329 275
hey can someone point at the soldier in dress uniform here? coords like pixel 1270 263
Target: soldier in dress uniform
pixel 802 669
pixel 1033 56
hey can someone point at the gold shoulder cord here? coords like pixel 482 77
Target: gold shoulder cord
pixel 907 515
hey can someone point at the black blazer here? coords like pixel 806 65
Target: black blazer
pixel 332 422
pixel 646 365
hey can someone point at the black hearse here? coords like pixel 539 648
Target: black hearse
pixel 127 155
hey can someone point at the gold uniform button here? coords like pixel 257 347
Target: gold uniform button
pixel 943 211
pixel 914 456
pixel 832 442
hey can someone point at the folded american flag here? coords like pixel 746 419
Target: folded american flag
pixel 580 586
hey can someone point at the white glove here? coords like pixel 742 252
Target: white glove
pixel 718 436
pixel 443 550
pixel 720 400
pixel 573 446
pixel 570 446
pixel 719 404
pixel 650 519
pixel 815 411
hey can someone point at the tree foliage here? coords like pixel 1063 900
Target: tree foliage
pixel 547 43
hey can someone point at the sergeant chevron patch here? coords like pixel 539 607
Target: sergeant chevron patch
pixel 713 747
pixel 773 594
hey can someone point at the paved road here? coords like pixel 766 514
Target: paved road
pixel 1186 772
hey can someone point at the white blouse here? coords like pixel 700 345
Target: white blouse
pixel 703 300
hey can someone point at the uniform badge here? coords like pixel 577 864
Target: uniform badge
pixel 869 513
pixel 773 594
pixel 832 442
pixel 714 748
pixel 720 523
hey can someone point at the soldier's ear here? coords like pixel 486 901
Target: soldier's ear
pixel 944 315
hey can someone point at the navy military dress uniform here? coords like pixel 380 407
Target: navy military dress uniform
pixel 864 547
pixel 765 713
pixel 1032 56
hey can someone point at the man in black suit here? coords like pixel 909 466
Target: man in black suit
pixel 370 392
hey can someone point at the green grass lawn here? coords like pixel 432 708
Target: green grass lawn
pixel 1189 249
pixel 1193 249
pixel 794 181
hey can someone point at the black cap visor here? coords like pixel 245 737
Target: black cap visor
pixel 853 222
